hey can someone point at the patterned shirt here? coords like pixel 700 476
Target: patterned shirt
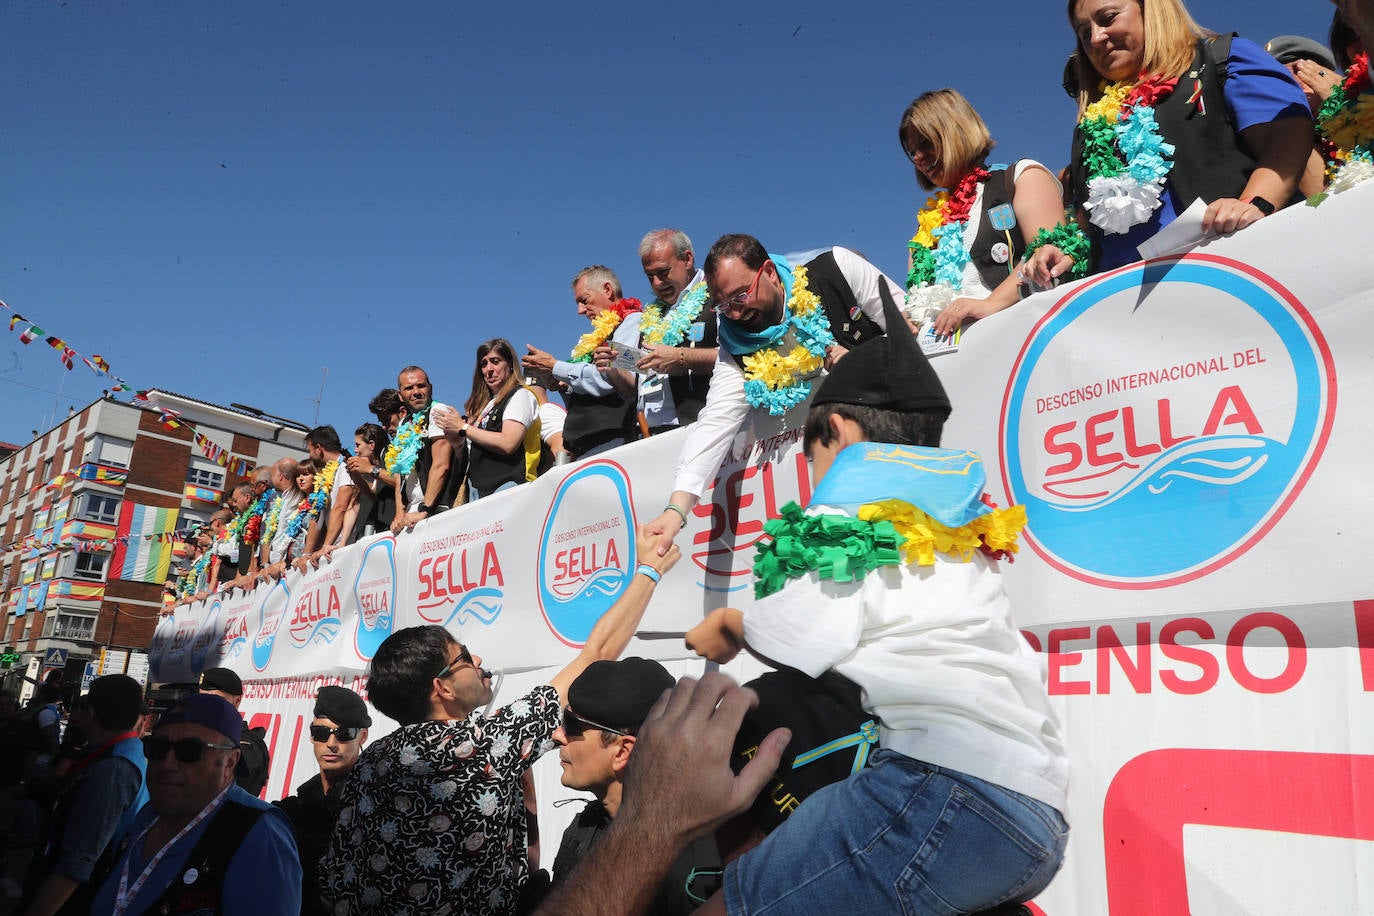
pixel 432 818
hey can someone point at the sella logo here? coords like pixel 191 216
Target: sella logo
pixel 461 583
pixel 1167 465
pixel 271 610
pixel 587 549
pixel 316 611
pixel 374 592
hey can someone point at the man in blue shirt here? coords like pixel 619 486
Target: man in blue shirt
pixel 202 844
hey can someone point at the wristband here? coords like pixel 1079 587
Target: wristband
pixel 681 514
pixel 646 570
pixel 1068 239
pixel 1259 203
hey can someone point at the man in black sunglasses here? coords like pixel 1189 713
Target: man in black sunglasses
pixel 202 844
pixel 606 706
pixel 433 814
pixel 337 735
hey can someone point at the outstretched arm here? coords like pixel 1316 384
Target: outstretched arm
pixel 612 632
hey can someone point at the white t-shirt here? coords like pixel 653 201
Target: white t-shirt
pixel 551 419
pixel 940 662
pixel 523 408
pixel 290 503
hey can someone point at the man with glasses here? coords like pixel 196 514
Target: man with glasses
pixel 202 844
pixel 255 760
pixel 606 706
pixel 677 334
pixel 777 325
pixel 433 816
pixel 337 735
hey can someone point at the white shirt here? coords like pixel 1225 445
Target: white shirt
pixel 551 419
pixel 941 663
pixel 726 407
pixel 523 408
pixel 290 503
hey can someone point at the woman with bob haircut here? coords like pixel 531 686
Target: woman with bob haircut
pixel 1170 113
pixel 500 422
pixel 970 236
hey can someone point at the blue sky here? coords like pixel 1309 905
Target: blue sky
pixel 223 199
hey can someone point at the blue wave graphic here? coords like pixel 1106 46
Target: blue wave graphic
pixel 481 604
pixel 605 582
pixel 235 648
pixel 1210 461
pixel 323 631
pixel 1183 510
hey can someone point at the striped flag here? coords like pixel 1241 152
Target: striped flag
pixel 28 337
pixel 143 556
pixel 15 319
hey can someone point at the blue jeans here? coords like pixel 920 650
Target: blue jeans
pixel 473 495
pixel 902 837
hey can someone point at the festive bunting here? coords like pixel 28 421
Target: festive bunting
pixel 150 529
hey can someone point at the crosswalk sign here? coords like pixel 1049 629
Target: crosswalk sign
pixel 56 658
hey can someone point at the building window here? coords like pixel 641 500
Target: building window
pixel 62 625
pixel 89 565
pixel 114 452
pixel 99 508
pixel 205 477
pixel 190 521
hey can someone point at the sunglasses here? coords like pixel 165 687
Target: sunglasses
pixel 321 733
pixel 574 725
pixel 464 657
pixel 187 750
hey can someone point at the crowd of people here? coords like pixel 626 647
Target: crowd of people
pixel 904 756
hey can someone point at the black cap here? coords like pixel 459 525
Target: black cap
pixel 818 711
pixel 222 679
pixel 341 705
pixel 888 372
pixel 1288 48
pixel 620 693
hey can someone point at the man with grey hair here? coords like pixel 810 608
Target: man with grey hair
pixel 599 417
pixel 677 333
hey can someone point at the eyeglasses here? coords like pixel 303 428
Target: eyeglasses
pixel 574 725
pixel 740 300
pixel 321 733
pixel 187 750
pixel 464 657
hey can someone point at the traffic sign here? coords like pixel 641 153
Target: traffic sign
pixel 56 658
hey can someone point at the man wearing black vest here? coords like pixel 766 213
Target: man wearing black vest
pixel 752 293
pixel 599 417
pixel 677 333
pixel 430 481
pixel 202 844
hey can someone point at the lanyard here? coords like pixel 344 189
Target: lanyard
pixel 126 894
pixel 94 755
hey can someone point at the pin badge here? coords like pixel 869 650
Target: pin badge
pixel 1000 252
pixel 1003 217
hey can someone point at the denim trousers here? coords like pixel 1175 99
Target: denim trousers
pixel 902 836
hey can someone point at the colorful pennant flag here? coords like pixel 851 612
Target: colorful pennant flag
pixel 28 337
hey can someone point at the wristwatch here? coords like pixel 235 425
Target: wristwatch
pixel 1260 204
pixel 423 508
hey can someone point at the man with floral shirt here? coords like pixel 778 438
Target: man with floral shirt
pixel 433 819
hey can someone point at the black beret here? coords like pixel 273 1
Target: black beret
pixel 620 693
pixel 341 705
pixel 888 372
pixel 222 679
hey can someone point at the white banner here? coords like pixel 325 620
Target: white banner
pixel 1189 436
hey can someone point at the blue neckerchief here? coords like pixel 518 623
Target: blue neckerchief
pixel 737 341
pixel 944 483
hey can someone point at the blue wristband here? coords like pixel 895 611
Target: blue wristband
pixel 646 570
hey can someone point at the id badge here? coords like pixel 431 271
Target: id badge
pixel 1002 217
pixel 697 332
